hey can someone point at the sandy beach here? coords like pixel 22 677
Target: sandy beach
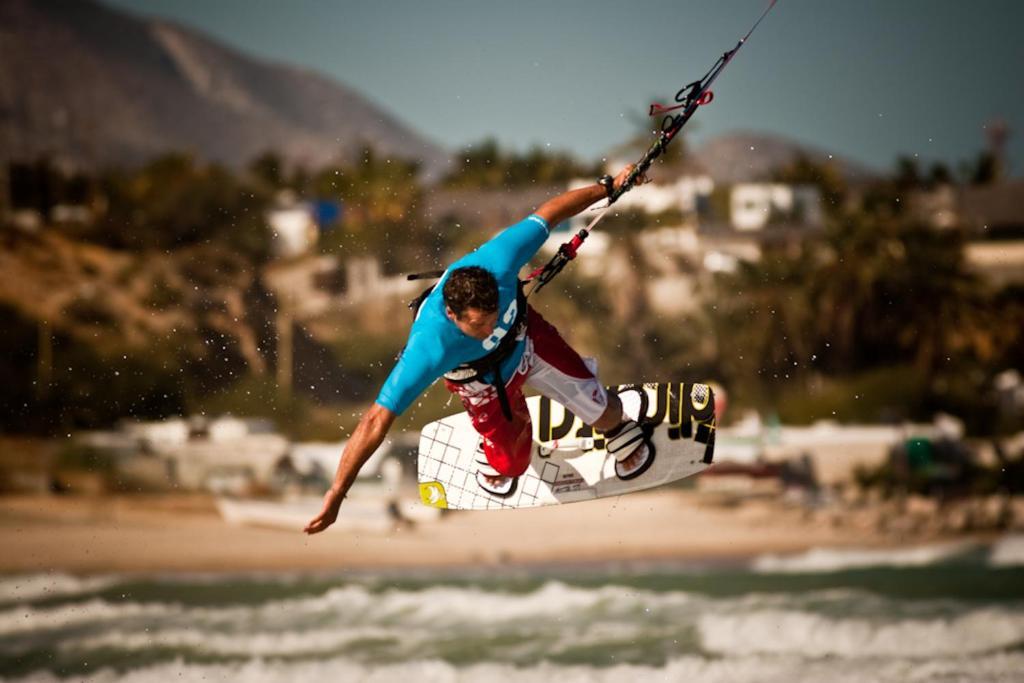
pixel 185 533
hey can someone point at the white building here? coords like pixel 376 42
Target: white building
pixel 752 206
pixel 222 454
pixel 315 285
pixel 293 230
pixel 835 450
pixel 683 196
pixel 679 254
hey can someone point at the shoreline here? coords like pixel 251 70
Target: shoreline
pixel 183 534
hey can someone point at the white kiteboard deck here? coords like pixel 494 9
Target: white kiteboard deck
pixel 569 462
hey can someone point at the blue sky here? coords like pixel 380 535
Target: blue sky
pixel 868 80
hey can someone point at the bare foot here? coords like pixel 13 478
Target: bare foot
pixel 635 459
pixel 496 484
pixel 497 481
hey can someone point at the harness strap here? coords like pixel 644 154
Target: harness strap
pixel 477 370
pixel 416 303
pixel 499 386
pixel 490 363
pixel 484 467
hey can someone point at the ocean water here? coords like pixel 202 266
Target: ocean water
pixel 943 613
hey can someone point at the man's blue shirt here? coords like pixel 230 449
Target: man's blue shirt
pixel 436 345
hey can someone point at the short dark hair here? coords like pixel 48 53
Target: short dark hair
pixel 471 287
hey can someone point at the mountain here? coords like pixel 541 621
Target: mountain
pixel 99 86
pixel 745 157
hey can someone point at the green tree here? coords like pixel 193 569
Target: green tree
pixel 985 170
pixel 268 170
pixel 827 178
pixel 375 190
pixel 877 290
pixel 381 197
pixel 486 166
pixel 175 201
pixel 764 319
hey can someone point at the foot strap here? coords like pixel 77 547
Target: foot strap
pixel 623 440
pixel 500 485
pixel 484 467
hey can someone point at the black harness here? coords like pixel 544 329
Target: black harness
pixel 487 368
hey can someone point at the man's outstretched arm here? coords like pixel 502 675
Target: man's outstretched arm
pixel 567 205
pixel 366 439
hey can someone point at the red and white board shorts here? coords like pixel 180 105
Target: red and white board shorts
pixel 550 366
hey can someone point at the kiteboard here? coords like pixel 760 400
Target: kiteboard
pixel 569 461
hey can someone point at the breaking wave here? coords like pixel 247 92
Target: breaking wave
pixel 663 628
pixel 814 635
pixel 832 559
pixel 998 668
pixel 1008 551
pixel 28 587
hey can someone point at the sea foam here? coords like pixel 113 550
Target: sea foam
pixel 838 559
pixel 815 635
pixel 1008 551
pixel 996 668
pixel 28 587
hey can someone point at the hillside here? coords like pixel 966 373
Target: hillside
pixel 142 302
pixel 99 86
pixel 747 156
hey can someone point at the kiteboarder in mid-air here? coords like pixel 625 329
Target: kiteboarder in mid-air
pixel 476 330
